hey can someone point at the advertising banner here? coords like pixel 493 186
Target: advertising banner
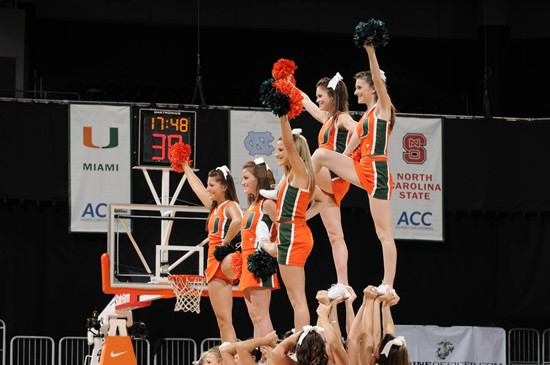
pixel 433 345
pixel 99 164
pixel 253 134
pixel 415 157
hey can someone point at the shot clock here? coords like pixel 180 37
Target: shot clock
pixel 161 128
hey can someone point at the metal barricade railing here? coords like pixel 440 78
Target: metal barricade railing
pixel 73 350
pixel 32 350
pixel 523 346
pixel 546 347
pixel 210 342
pixel 2 342
pixel 142 349
pixel 181 351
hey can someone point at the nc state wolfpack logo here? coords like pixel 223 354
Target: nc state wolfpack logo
pixel 445 348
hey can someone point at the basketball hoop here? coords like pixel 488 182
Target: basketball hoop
pixel 188 290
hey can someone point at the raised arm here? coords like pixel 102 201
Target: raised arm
pixel 236 215
pixel 387 319
pixel 280 354
pixel 312 108
pixel 376 330
pixel 299 170
pixel 244 348
pixel 360 340
pixel 384 101
pixel 335 348
pixel 197 186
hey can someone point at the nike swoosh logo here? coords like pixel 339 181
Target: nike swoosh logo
pixel 117 354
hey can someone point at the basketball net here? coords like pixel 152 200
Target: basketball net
pixel 188 290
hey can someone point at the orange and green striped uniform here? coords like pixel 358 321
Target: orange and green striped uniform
pixel 373 170
pixel 251 217
pixel 218 225
pixel 335 139
pixel 294 239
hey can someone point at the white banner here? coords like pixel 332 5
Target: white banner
pixel 415 157
pixel 99 164
pixel 432 345
pixel 253 134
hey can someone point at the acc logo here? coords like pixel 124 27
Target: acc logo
pixel 445 348
pixel 93 212
pixel 87 138
pixel 259 143
pixel 415 219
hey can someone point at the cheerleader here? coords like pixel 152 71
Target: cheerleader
pixel 294 240
pixel 258 217
pixel 370 171
pixel 337 125
pixel 223 225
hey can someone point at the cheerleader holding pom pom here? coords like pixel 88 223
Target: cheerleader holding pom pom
pixel 297 191
pixel 369 168
pixel 220 197
pixel 258 276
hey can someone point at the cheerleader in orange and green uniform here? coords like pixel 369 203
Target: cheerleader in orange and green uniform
pixel 294 240
pixel 337 125
pixel 257 292
pixel 371 172
pixel 223 225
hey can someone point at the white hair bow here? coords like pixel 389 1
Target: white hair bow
pixel 260 160
pixel 307 329
pixel 296 131
pixel 383 75
pixel 398 341
pixel 334 81
pixel 224 169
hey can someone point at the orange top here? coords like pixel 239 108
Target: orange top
pixel 292 203
pixel 374 134
pixel 331 137
pixel 218 225
pixel 250 220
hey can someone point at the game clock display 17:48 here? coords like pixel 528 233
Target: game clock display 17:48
pixel 159 129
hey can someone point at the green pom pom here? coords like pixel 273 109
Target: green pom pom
pixel 223 250
pixel 374 31
pixel 262 265
pixel 277 102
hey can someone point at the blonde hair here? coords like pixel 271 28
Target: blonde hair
pixel 300 143
pixel 216 352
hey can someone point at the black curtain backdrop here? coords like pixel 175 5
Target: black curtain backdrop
pixel 492 269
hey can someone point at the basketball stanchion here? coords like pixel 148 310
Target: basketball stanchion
pixel 188 290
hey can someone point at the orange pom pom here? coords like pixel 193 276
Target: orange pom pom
pixel 295 96
pixel 284 68
pixel 237 263
pixel 178 155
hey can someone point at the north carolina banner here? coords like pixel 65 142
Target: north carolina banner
pixel 432 345
pixel 253 134
pixel 99 164
pixel 415 156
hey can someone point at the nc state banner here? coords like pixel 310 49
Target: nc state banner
pixel 253 134
pixel 457 345
pixel 99 164
pixel 415 156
